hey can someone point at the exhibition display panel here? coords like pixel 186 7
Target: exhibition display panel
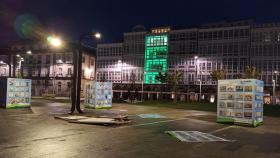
pixel 240 101
pixel 98 95
pixel 15 92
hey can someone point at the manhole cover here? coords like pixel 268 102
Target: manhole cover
pixel 195 136
pixel 151 116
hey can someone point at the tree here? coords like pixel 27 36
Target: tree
pixel 250 73
pixel 174 79
pixel 162 79
pixel 132 86
pixel 218 74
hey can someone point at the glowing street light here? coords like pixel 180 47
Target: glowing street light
pixel 54 41
pixel 97 35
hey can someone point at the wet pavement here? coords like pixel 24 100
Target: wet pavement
pixel 35 133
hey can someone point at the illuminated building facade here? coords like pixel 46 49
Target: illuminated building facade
pixel 156 56
pixel 50 69
pixel 226 45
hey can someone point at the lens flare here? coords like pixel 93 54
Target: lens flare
pixel 27 26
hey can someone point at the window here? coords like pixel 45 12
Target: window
pixel 59 87
pixel 267 37
pixel 69 71
pixel 48 59
pixel 68 85
pixel 60 71
pixel 39 59
pixel 84 59
pixel 91 61
pixel 83 73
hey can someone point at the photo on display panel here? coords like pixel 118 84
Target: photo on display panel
pixel 248 106
pixel 230 105
pixel 239 105
pixel 248 114
pixel 223 88
pixel 248 88
pixel 248 97
pixel 230 88
pixel 239 88
pixel 239 96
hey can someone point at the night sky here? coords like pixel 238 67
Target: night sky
pixel 71 18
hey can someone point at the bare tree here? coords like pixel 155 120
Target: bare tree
pixel 218 74
pixel 132 86
pixel 162 79
pixel 250 73
pixel 174 79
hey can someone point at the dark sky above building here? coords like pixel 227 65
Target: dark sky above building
pixel 71 18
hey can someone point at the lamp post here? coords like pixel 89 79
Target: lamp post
pixel 274 82
pixel 142 95
pixel 273 97
pixel 76 93
pixel 120 66
pixel 20 60
pixel 199 80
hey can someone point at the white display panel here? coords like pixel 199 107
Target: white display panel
pixel 99 95
pixel 240 101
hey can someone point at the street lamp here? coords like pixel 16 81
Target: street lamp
pixel 199 80
pixel 54 41
pixel 20 60
pixel 142 95
pixel 274 84
pixel 120 66
pixel 97 35
pixel 29 52
pixel 76 93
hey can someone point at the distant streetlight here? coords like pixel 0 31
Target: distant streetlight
pixel 29 52
pixel 60 61
pixel 97 35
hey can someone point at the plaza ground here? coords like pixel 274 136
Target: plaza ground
pixel 35 133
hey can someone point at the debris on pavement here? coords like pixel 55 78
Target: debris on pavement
pixel 101 120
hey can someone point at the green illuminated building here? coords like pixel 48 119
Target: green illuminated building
pixel 156 55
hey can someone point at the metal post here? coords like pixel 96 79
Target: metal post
pixel 142 87
pixel 121 96
pixel 79 77
pixel 276 80
pixel 274 97
pixel 74 84
pixel 14 66
pixel 200 90
pixel 276 87
pixel 10 67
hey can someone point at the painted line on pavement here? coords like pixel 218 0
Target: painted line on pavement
pixel 151 123
pixel 221 129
